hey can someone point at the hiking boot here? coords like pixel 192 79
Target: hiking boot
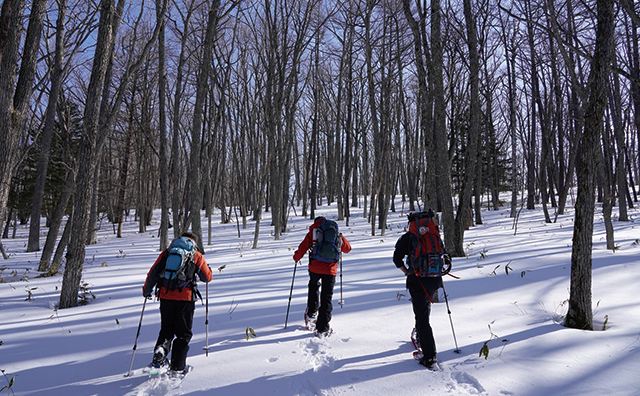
pixel 415 339
pixel 159 357
pixel 309 320
pixel 429 362
pixel 310 317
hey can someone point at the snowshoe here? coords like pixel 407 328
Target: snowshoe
pixel 179 374
pixel 155 369
pixel 431 363
pixel 324 334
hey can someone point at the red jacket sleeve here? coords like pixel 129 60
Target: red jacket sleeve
pixel 152 277
pixel 303 247
pixel 346 246
pixel 204 272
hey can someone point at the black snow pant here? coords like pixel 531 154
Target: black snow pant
pixel 176 318
pixel 321 297
pixel 418 288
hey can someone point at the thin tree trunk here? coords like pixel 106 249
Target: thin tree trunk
pixel 373 108
pixel 124 173
pixel 47 133
pixel 443 162
pixel 162 119
pixel 56 221
pixel 510 61
pixel 606 175
pixel 196 128
pixel 177 187
pixel 462 216
pixel 62 245
pixel 618 131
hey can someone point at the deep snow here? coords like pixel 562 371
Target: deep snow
pixel 518 313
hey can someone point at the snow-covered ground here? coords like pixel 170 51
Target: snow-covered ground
pixel 511 295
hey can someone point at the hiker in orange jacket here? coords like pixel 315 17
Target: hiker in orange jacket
pixel 321 272
pixel 177 305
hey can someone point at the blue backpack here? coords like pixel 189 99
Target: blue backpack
pixel 178 269
pixel 326 242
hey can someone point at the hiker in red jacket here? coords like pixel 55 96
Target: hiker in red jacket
pixel 324 243
pixel 423 236
pixel 177 303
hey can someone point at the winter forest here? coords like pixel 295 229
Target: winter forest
pixel 113 108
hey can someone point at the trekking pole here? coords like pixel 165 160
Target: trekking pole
pixel 457 350
pixel 206 321
pixel 341 302
pixel 290 293
pixel 135 344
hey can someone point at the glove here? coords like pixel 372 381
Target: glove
pixel 147 296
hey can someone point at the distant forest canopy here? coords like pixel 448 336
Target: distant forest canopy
pixel 250 105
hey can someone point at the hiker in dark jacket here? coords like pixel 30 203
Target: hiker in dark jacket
pixel 421 290
pixel 320 273
pixel 176 308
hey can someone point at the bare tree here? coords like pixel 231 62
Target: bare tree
pixel 580 315
pixel 15 95
pixel 48 129
pixel 196 126
pixel 443 162
pixel 162 130
pixel 463 215
pixel 177 202
pixel 87 159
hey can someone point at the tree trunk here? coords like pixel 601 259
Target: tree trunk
pixel 49 126
pixel 618 131
pixel 443 162
pixel 605 173
pixel 373 108
pixel 92 230
pixel 580 314
pixel 176 165
pixel 62 245
pixel 462 215
pixel 162 119
pixel 196 127
pixel 87 160
pixel 15 96
pixel 510 62
pixel 56 221
pixel 124 172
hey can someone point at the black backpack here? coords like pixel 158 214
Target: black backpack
pixel 326 242
pixel 179 268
